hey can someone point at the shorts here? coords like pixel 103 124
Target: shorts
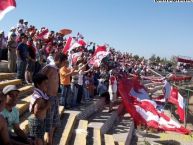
pixel 106 96
pixel 113 97
pixel 53 118
pixel 36 127
pixel 30 66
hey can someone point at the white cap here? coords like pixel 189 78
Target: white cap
pixel 12 28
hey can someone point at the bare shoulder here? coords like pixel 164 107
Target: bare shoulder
pixel 2 120
pixel 48 70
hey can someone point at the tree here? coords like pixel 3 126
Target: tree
pixel 158 59
pixel 152 58
pixel 136 57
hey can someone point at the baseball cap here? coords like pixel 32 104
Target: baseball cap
pixel 12 28
pixel 9 88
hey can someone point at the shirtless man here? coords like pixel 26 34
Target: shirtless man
pixel 39 107
pixel 52 72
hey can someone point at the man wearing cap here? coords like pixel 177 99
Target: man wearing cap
pixel 11 114
pixel 11 31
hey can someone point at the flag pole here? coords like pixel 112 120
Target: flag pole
pixel 186 109
pixel 156 72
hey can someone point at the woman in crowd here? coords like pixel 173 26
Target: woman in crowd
pixel 12 45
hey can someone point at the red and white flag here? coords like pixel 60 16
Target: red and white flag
pixel 172 95
pixel 43 35
pixel 6 6
pixel 71 44
pixel 98 56
pixel 68 45
pixel 82 42
pixel 75 57
pixel 144 112
pixel 177 99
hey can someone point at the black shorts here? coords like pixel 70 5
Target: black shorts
pixel 30 66
pixel 106 96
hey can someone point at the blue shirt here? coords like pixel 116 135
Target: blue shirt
pixel 23 51
pixel 11 117
pixel 101 89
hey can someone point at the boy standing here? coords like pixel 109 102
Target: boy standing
pixel 39 106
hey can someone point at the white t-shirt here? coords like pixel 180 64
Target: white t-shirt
pixel 80 78
pixel 50 60
pixel 112 84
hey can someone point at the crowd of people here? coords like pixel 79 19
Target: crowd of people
pixel 41 61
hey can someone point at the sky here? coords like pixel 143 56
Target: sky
pixel 141 27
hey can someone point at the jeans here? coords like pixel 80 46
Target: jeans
pixel 21 67
pixel 80 93
pixel 65 95
pixel 86 94
pixel 74 90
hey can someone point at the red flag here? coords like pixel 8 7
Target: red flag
pixel 173 98
pixel 181 107
pixel 144 111
pixel 177 99
pixel 100 48
pixel 6 6
pixel 82 42
pixel 75 57
pixel 73 46
pixel 43 34
pixel 98 56
pixel 67 46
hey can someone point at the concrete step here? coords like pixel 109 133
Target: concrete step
pixel 23 105
pixel 84 111
pixel 28 89
pixel 64 135
pixel 10 82
pixel 81 133
pixel 91 109
pixel 109 140
pixel 67 133
pixel 122 130
pixel 99 124
pixel 24 122
pixel 4 66
pixel 7 76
